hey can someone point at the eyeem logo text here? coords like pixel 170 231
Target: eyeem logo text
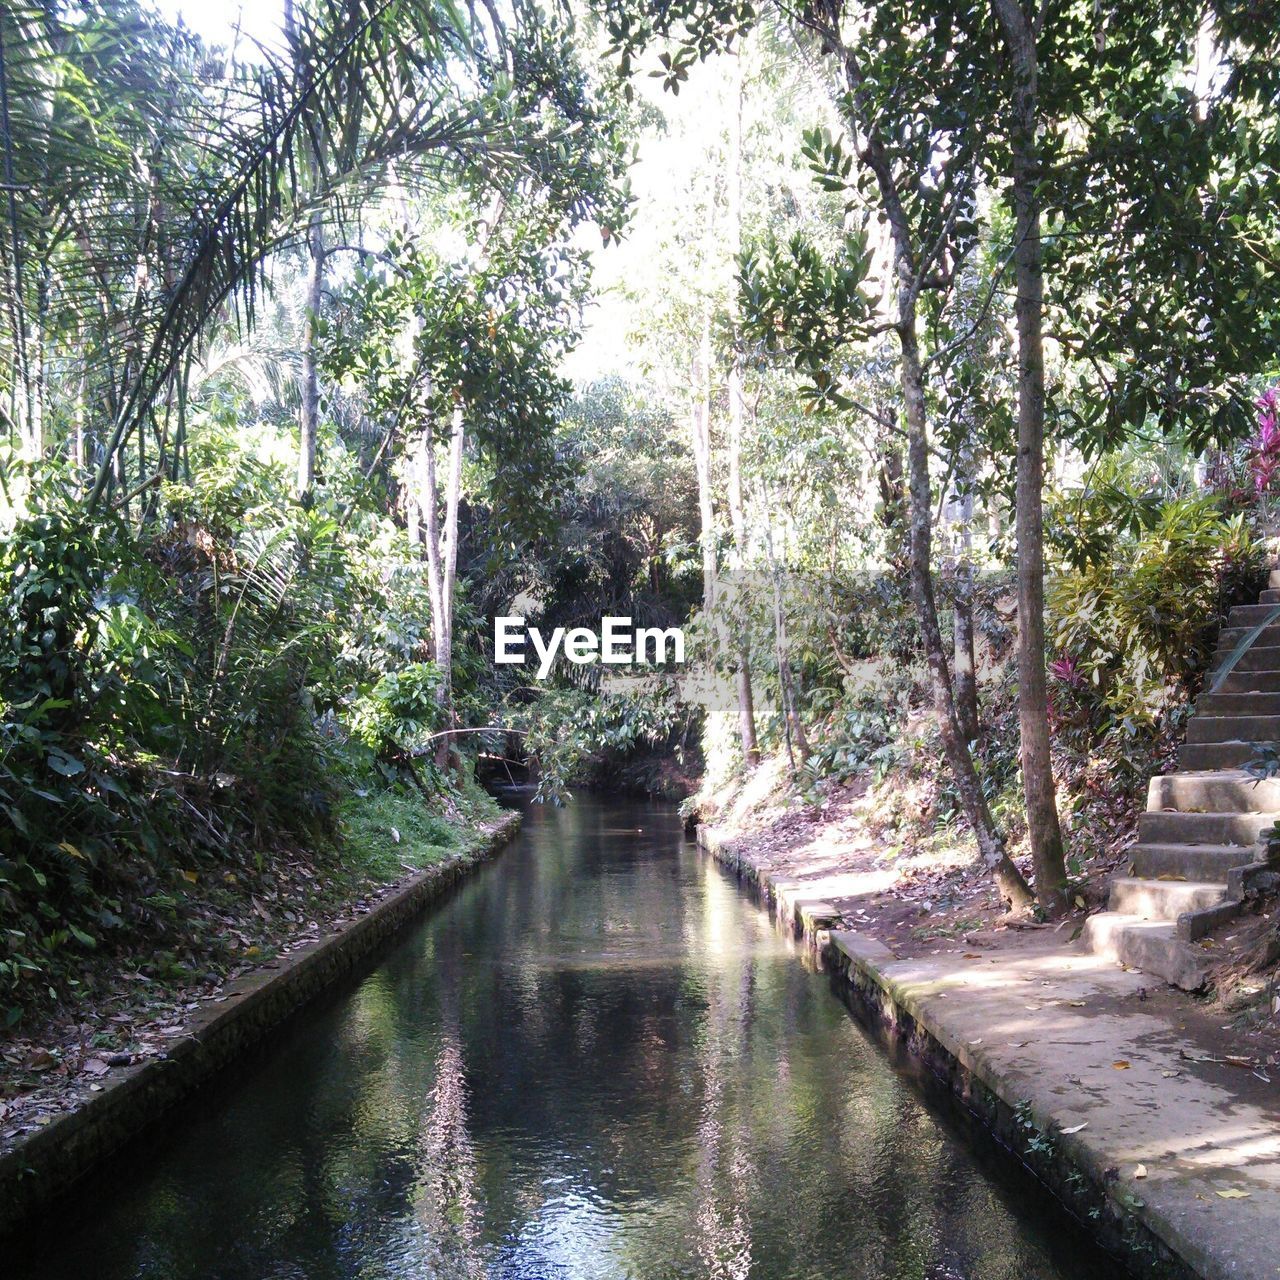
pixel 618 643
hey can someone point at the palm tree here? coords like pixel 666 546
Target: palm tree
pixel 149 179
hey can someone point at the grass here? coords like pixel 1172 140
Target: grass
pixel 387 831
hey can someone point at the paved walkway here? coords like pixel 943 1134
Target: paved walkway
pixel 1185 1139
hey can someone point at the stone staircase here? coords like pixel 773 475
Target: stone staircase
pixel 1201 841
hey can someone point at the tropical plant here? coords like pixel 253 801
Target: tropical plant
pixel 1136 630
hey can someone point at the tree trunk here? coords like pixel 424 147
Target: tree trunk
pixel 737 518
pixel 742 667
pixel 20 384
pixel 78 445
pixel 310 377
pixel 1044 832
pixel 965 657
pixel 1009 882
pixel 797 741
pixel 449 575
pixel 424 467
pixel 36 371
pixel 966 672
pixel 700 433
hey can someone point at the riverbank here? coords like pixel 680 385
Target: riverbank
pixel 89 1104
pixel 1130 1100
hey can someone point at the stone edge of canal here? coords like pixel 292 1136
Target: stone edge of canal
pixel 1138 1237
pixel 46 1163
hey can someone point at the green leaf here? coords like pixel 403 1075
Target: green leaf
pixel 64 764
pixel 84 939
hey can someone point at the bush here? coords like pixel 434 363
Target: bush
pixel 1133 632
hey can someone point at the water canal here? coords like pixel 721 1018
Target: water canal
pixel 596 1060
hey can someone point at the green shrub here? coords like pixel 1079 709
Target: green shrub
pixel 400 711
pixel 1132 632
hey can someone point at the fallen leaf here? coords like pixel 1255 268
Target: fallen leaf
pixel 1122 1065
pixel 1233 1194
pixel 1077 1004
pixel 96 1067
pixel 1075 1128
pixel 191 876
pixel 1140 1171
pixel 1168 1075
pixel 971 955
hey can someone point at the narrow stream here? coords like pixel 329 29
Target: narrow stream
pixel 597 1059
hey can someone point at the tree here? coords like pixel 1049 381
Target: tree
pixel 462 355
pixel 811 308
pixel 1056 111
pixel 1050 123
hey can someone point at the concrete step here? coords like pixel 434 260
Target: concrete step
pixel 1233 729
pixel 1162 899
pixel 1238 704
pixel 1229 637
pixel 1262 657
pixel 1216 755
pixel 1222 791
pixel 1249 615
pixel 1274 580
pixel 1271 595
pixel 1245 681
pixel 1150 945
pixel 1177 827
pixel 1202 862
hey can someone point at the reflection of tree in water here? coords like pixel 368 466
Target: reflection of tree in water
pixel 726 1170
pixel 447 1206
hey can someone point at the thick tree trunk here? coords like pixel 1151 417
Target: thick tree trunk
pixel 1044 832
pixel 310 376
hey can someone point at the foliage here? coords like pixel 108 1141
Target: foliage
pixel 1132 632
pixel 399 711
pixel 575 734
pixel 857 737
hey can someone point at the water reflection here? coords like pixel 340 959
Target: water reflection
pixel 596 1061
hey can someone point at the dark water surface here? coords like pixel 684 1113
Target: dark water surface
pixel 598 1059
